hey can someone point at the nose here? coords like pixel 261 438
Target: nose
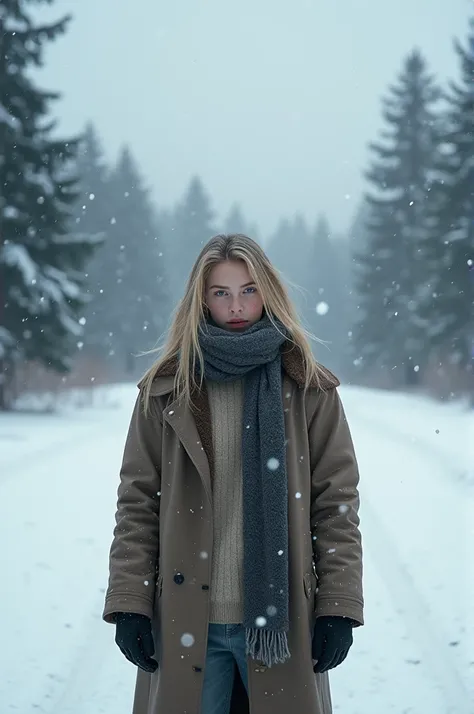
pixel 235 307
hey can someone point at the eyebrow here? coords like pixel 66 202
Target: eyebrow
pixel 226 287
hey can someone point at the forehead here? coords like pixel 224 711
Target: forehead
pixel 230 272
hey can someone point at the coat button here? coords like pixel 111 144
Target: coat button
pixel 205 587
pixel 197 669
pixel 179 578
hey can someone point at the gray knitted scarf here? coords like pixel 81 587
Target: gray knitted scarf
pixel 255 355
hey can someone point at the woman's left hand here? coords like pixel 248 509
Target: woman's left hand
pixel 332 640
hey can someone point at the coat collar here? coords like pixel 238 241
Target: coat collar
pixel 193 425
pixel 292 361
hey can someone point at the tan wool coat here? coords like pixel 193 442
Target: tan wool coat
pixel 165 529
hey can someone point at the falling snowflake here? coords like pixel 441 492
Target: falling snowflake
pixel 187 640
pixel 261 621
pixel 322 308
pixel 271 610
pixel 298 495
pixel 273 464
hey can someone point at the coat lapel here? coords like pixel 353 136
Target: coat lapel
pixel 193 429
pixel 193 425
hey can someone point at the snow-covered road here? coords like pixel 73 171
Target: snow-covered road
pixel 58 480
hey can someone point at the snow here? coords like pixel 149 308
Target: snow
pixel 187 640
pixel 39 177
pixel 17 255
pixel 58 285
pixel 6 340
pixel 8 119
pixel 11 212
pixel 58 480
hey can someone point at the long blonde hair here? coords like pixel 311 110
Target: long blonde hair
pixel 183 336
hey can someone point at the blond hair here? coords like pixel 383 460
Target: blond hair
pixel 182 344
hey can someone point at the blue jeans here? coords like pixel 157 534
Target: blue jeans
pixel 225 648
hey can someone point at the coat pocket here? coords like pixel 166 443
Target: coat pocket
pixel 159 585
pixel 157 598
pixel 309 583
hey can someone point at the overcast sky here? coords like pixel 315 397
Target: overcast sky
pixel 272 102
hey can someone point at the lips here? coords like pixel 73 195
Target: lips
pixel 237 322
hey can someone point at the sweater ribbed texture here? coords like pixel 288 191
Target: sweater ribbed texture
pixel 226 594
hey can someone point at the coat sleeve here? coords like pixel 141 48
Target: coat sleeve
pixel 134 552
pixel 337 543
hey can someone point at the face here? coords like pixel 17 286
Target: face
pixel 232 295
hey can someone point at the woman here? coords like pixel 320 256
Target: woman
pixel 236 563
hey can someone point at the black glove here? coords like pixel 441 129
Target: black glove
pixel 332 640
pixel 134 637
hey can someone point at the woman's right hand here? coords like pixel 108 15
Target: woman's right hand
pixel 134 636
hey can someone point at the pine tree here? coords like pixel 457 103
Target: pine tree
pixel 93 208
pixel 94 216
pixel 357 246
pixel 235 221
pixel 278 246
pixel 193 227
pixel 450 256
pixel 41 261
pixel 289 249
pixel 133 307
pixel 327 314
pixel 321 269
pixel 390 333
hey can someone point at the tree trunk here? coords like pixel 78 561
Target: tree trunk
pixel 6 376
pixel 412 378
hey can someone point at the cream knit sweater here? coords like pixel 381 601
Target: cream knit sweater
pixel 226 403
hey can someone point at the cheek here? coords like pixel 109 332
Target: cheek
pixel 255 305
pixel 217 307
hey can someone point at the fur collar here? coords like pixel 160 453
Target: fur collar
pixel 292 361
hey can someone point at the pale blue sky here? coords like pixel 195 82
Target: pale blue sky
pixel 271 101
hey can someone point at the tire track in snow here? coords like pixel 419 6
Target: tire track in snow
pixel 463 478
pixel 86 669
pixel 28 456
pixel 427 632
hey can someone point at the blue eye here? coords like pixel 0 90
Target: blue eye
pixel 218 293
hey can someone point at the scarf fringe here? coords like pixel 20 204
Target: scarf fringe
pixel 267 646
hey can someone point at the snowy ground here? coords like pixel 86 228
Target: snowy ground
pixel 58 479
